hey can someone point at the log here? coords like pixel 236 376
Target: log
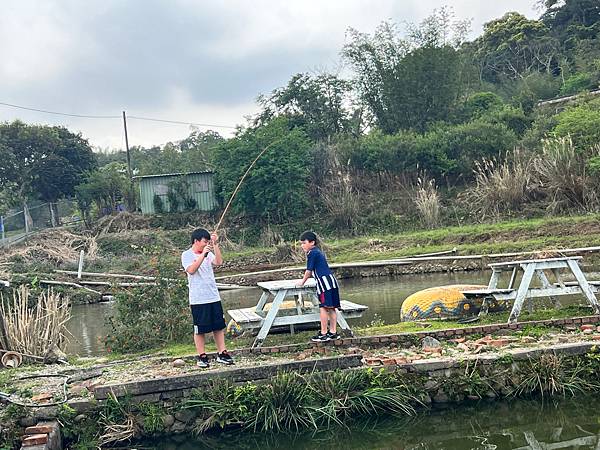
pixel 68 283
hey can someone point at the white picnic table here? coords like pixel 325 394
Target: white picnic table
pixel 540 268
pixel 268 312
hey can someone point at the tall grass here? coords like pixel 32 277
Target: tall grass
pixel 37 329
pixel 550 375
pixel 427 201
pixel 564 177
pixel 502 187
pixel 293 401
pixel 342 204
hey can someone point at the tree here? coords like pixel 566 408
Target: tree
pixel 276 188
pixel 44 162
pixel 513 47
pixel 103 188
pixel 408 83
pixel 319 104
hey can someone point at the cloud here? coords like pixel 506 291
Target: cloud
pixel 181 59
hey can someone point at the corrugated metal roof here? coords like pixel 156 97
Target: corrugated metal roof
pixel 172 174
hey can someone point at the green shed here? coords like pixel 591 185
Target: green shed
pixel 198 185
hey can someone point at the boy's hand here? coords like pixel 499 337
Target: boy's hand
pixel 214 237
pixel 208 248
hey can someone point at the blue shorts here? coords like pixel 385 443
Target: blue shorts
pixel 208 317
pixel 330 299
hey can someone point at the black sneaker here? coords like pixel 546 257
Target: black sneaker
pixel 202 361
pixel 333 336
pixel 320 337
pixel 225 358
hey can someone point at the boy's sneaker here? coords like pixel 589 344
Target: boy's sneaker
pixel 202 361
pixel 320 337
pixel 225 358
pixel 333 336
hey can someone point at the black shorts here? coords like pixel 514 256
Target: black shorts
pixel 208 317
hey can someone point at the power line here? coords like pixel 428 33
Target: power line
pixel 181 123
pixel 59 113
pixel 86 116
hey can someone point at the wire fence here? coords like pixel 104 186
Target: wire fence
pixel 16 225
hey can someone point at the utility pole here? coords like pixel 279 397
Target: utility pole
pixel 131 196
pixel 127 147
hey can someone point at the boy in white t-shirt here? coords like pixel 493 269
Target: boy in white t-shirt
pixel 205 302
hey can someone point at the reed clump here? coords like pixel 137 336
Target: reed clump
pixel 427 201
pixel 34 325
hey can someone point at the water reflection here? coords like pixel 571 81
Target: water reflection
pixel 520 424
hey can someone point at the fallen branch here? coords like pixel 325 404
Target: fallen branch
pixel 68 283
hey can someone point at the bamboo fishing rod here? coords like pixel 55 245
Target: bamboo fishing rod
pixel 237 188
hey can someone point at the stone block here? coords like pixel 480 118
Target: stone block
pixel 40 429
pixel 35 439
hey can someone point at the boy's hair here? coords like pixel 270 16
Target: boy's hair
pixel 200 233
pixel 310 237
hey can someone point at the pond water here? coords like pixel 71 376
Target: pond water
pixel 383 296
pixel 494 425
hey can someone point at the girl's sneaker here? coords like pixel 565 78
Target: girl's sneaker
pixel 202 361
pixel 320 337
pixel 333 336
pixel 225 358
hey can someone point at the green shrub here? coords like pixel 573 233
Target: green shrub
pixel 151 316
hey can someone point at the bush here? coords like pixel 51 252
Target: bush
pixel 152 316
pixel 577 83
pixel 581 124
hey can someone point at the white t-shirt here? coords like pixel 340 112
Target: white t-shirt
pixel 202 284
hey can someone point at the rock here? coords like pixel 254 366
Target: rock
pixel 562 339
pixel 80 418
pixel 168 420
pixel 178 363
pixel 430 385
pixel 42 398
pixel 28 421
pixel 54 355
pixel 78 390
pixel 430 342
pixel 441 397
pixel 458 340
pixel 587 327
pixel 473 397
pixel 178 427
pixel 588 331
pixel 528 339
pixel 388 361
pixel 463 347
pixel 185 415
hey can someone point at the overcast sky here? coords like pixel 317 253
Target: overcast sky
pixel 184 60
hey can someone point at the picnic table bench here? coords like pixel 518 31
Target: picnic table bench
pixel 539 269
pixel 268 312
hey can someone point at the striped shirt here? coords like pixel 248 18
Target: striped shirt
pixel 317 264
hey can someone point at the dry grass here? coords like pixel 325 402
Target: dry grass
pixel 35 330
pixel 563 176
pixel 342 204
pixel 502 187
pixel 427 201
pixel 123 221
pixel 55 245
